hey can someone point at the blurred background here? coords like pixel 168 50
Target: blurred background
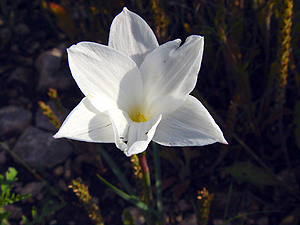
pixel 249 81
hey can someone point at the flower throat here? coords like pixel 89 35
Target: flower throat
pixel 139 118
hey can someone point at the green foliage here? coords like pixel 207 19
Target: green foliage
pixel 146 209
pixel 39 217
pixel 6 196
pixel 128 220
pixel 246 171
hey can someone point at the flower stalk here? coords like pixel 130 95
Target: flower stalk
pixel 285 25
pixel 204 200
pixel 147 183
pixel 84 196
pixel 47 111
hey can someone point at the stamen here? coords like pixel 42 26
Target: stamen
pixel 139 118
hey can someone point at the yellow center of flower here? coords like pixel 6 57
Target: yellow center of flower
pixel 139 118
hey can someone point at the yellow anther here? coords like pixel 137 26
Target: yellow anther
pixel 139 118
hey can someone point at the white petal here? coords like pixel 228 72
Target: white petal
pixel 121 122
pixel 131 137
pixel 107 77
pixel 130 34
pixel 190 125
pixel 85 123
pixel 170 73
pixel 140 134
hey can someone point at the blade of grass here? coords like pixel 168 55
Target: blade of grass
pixel 131 198
pixel 116 170
pixel 158 181
pixel 247 214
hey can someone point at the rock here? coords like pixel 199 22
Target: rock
pixel 63 186
pixel 16 211
pixel 20 74
pixel 53 222
pixel 68 170
pixel 183 206
pixel 136 215
pixel 179 218
pixel 190 220
pixel 219 222
pixel 2 157
pixel 14 120
pixel 58 171
pixel 263 221
pixel 32 188
pixel 22 29
pixel 52 73
pixel 38 148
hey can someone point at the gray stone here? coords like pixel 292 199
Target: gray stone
pixel 20 74
pixel 14 120
pixel 2 157
pixel 16 211
pixel 190 220
pixel 52 73
pixel 22 29
pixel 38 148
pixel 58 170
pixel 136 215
pixel 33 188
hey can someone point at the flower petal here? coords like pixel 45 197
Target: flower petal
pixel 140 134
pixel 190 125
pixel 130 34
pixel 131 137
pixel 108 78
pixel 170 73
pixel 85 123
pixel 121 122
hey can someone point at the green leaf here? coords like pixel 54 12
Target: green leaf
pixel 11 174
pixel 246 171
pixel 6 184
pixel 248 214
pixel 5 188
pixel 19 197
pixel 131 198
pixel 34 212
pixel 51 207
pixel 158 180
pixel 128 220
pixel 116 170
pixel 38 216
pixel 4 215
pixel 24 219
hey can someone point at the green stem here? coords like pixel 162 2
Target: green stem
pixel 158 182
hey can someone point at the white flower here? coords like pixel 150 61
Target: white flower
pixel 137 91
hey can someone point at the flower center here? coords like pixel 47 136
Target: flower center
pixel 139 118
